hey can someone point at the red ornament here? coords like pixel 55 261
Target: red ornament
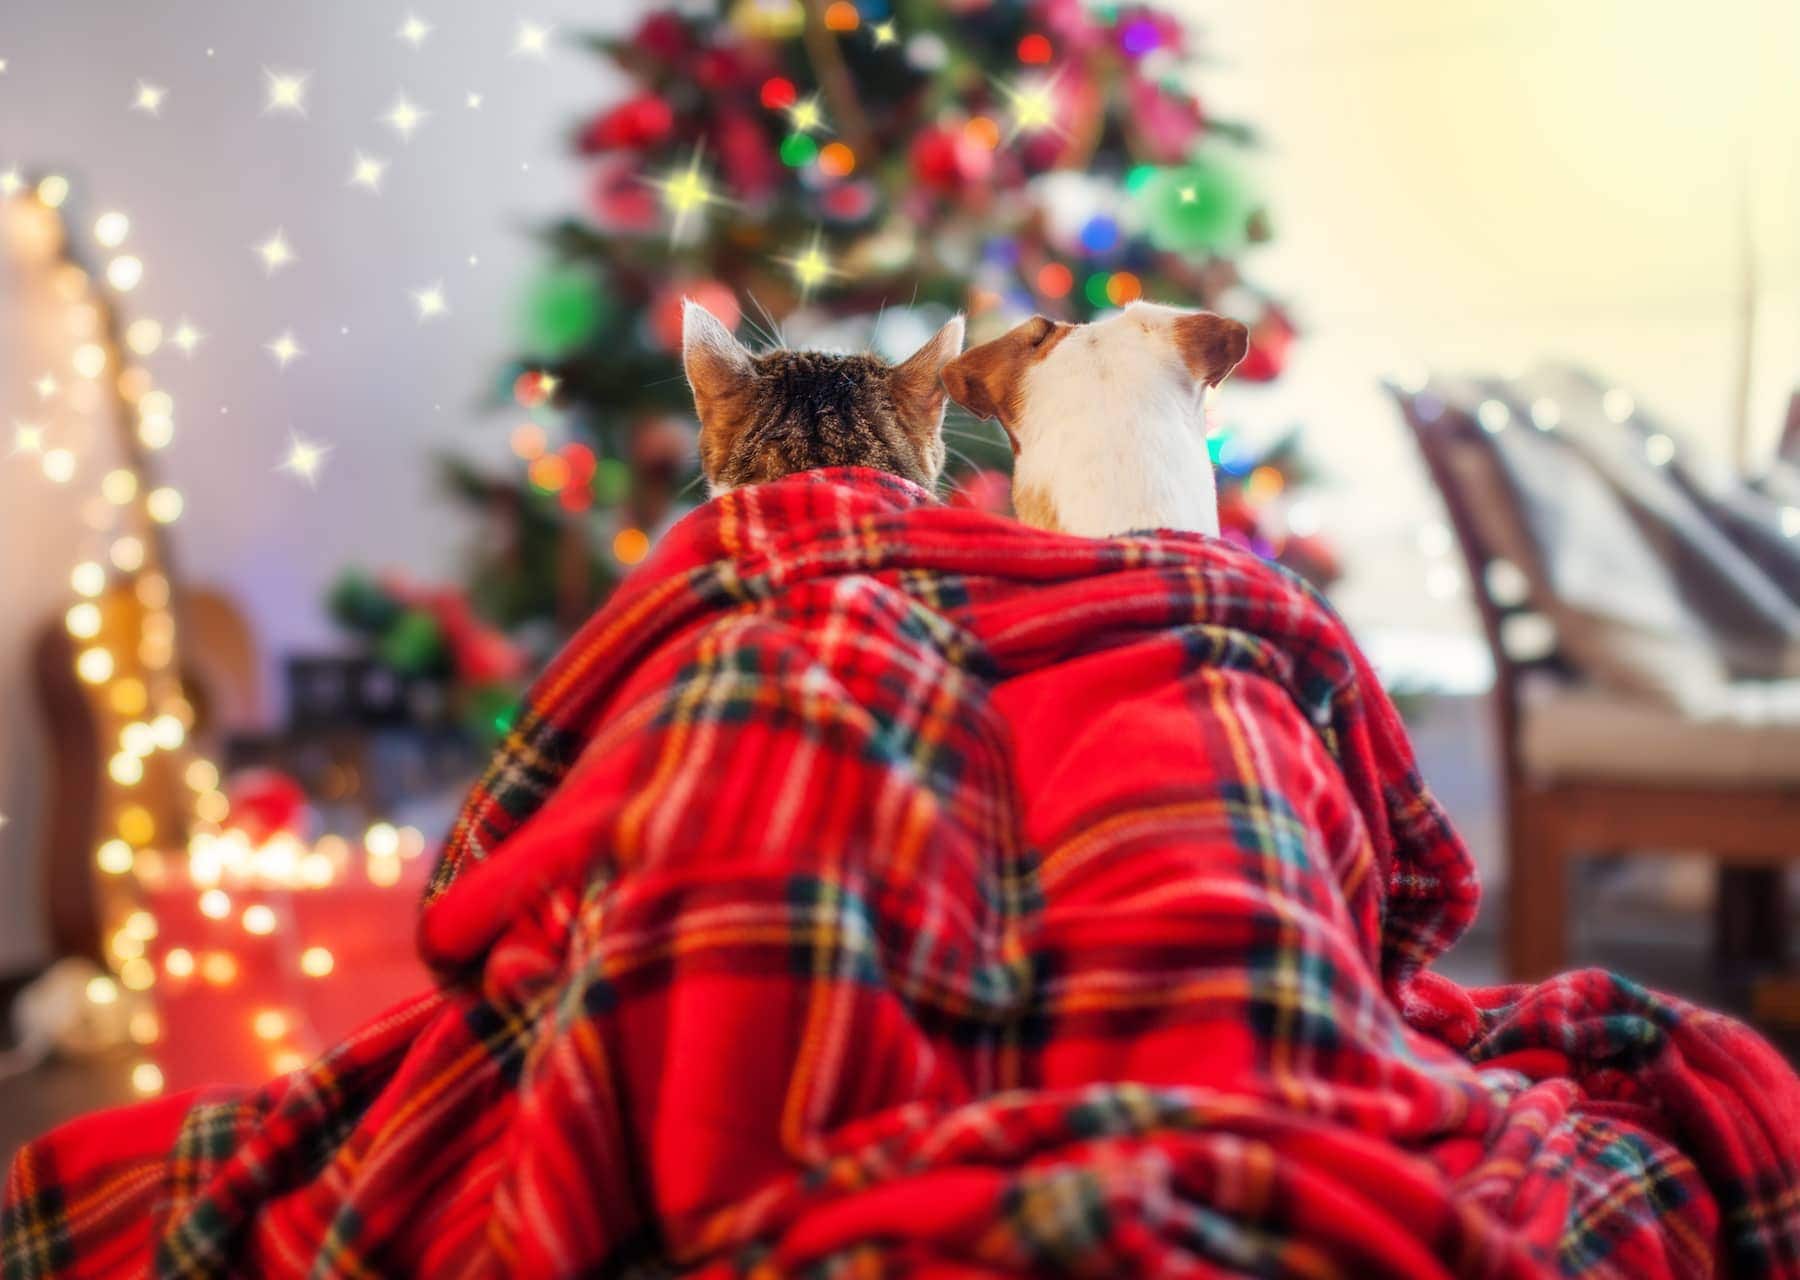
pixel 1270 339
pixel 663 35
pixel 666 307
pixel 747 160
pixel 530 388
pixel 848 201
pixel 622 201
pixel 779 92
pixel 1034 50
pixel 949 159
pixel 266 803
pixel 639 123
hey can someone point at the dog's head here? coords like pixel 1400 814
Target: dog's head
pixel 1143 351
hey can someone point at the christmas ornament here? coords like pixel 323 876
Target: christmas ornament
pixel 266 803
pixel 563 308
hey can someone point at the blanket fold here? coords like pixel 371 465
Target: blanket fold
pixel 874 887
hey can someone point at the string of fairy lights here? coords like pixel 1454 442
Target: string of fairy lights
pixel 122 621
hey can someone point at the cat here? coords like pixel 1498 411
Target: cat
pixel 1106 419
pixel 766 416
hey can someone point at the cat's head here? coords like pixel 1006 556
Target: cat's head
pixel 1045 375
pixel 766 416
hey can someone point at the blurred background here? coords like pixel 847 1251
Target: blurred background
pixel 338 384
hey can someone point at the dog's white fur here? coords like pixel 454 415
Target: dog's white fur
pixel 1109 427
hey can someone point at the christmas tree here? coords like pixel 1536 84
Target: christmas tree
pixel 847 175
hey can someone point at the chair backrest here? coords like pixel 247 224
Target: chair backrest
pixel 1435 427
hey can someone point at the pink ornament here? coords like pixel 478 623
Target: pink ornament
pixel 639 123
pixel 665 308
pixel 1169 123
pixel 622 201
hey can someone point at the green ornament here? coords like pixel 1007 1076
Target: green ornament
pixel 612 481
pixel 357 602
pixel 798 150
pixel 414 645
pixel 1138 177
pixel 1196 207
pixel 563 309
pixel 1096 289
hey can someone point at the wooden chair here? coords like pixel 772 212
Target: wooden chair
pixel 1553 819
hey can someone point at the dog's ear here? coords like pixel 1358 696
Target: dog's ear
pixel 915 383
pixel 1210 345
pixel 987 380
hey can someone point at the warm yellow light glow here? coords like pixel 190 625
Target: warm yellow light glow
pixel 125 769
pixel 102 990
pixel 316 962
pixel 119 486
pixel 275 251
pixel 156 433
pixel 315 870
pixel 147 1079
pixel 83 620
pixel 215 904
pixel 127 696
pixel 111 228
pixel 284 348
pixel 141 925
pixel 125 272
pixel 144 336
pixel 212 806
pixel 125 946
pixel 383 872
pixel 287 1061
pixel 145 1027
pixel 186 337
pixel 219 968
pixel 202 774
pixel 88 578
pixel 138 974
pixel 405 117
pixel 127 553
pixel 686 192
pixel 53 190
pixel 304 458
pixel 137 738
pixel 169 732
pixel 95 665
pixel 179 963
pixel 114 857
pixel 156 404
pixel 259 919
pixel 136 825
pixel 59 466
pixel 284 91
pixel 164 505
pixel 1033 104
pixel 382 840
pixel 269 1024
pixel 89 360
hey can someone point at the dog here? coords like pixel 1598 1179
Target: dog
pixel 1106 419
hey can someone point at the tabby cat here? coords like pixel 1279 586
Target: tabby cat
pixel 766 416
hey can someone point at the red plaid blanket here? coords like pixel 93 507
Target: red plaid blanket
pixel 880 888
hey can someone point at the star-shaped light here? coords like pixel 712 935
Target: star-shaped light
pixel 414 30
pixel 1188 194
pixel 28 437
pixel 533 40
pixel 805 115
pixel 884 34
pixel 812 266
pixel 45 385
pixel 429 301
pixel 305 458
pixel 366 171
pixel 186 337
pixel 11 182
pixel 284 348
pixel 473 101
pixel 284 91
pixel 1033 104
pixel 686 192
pixel 275 252
pixel 149 98
pixel 404 117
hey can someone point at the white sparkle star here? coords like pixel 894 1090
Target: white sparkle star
pixel 149 98
pixel 533 40
pixel 473 101
pixel 285 91
pixel 404 117
pixel 884 34
pixel 45 385
pixel 186 337
pixel 304 457
pixel 685 192
pixel 812 266
pixel 429 302
pixel 28 437
pixel 414 30
pixel 11 183
pixel 275 252
pixel 805 115
pixel 367 171
pixel 284 348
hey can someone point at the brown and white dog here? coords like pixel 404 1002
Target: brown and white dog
pixel 1106 419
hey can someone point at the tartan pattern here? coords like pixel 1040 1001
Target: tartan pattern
pixel 876 888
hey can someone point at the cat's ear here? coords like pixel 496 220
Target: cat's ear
pixel 718 367
pixel 1210 345
pixel 915 382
